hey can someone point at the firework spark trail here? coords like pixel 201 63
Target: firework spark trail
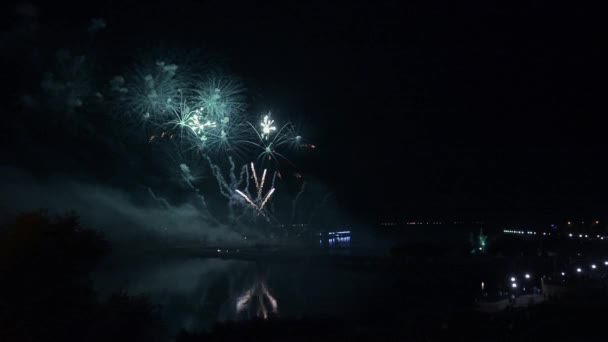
pixel 187 176
pixel 266 199
pixel 295 201
pixel 159 199
pixel 260 200
pixel 231 172
pixel 243 177
pixel 274 177
pixel 226 189
pixel 247 199
pixel 322 203
pixel 255 176
pixel 217 173
pixel 198 192
pixel 261 187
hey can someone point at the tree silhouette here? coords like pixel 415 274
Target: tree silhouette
pixel 46 292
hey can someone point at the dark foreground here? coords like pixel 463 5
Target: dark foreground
pixel 568 319
pixel 46 294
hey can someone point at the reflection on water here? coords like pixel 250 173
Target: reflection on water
pixel 257 299
pixel 192 293
pixel 195 293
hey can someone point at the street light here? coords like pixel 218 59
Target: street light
pixel 593 266
pixel 579 270
pixel 512 279
pixel 514 285
pixel 527 276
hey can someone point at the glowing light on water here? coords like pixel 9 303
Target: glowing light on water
pixel 259 296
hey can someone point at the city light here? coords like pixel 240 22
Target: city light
pixel 514 285
pixel 579 270
pixel 512 278
pixel 593 266
pixel 527 276
pixel 563 274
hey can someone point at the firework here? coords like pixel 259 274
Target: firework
pixel 272 142
pixel 68 85
pixel 267 126
pixel 206 117
pixel 220 96
pixel 260 200
pixel 150 90
pixel 246 197
pixel 213 115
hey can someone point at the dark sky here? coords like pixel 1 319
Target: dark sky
pixel 436 108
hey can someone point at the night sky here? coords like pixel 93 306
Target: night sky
pixel 424 108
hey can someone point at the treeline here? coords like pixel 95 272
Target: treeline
pixel 46 293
